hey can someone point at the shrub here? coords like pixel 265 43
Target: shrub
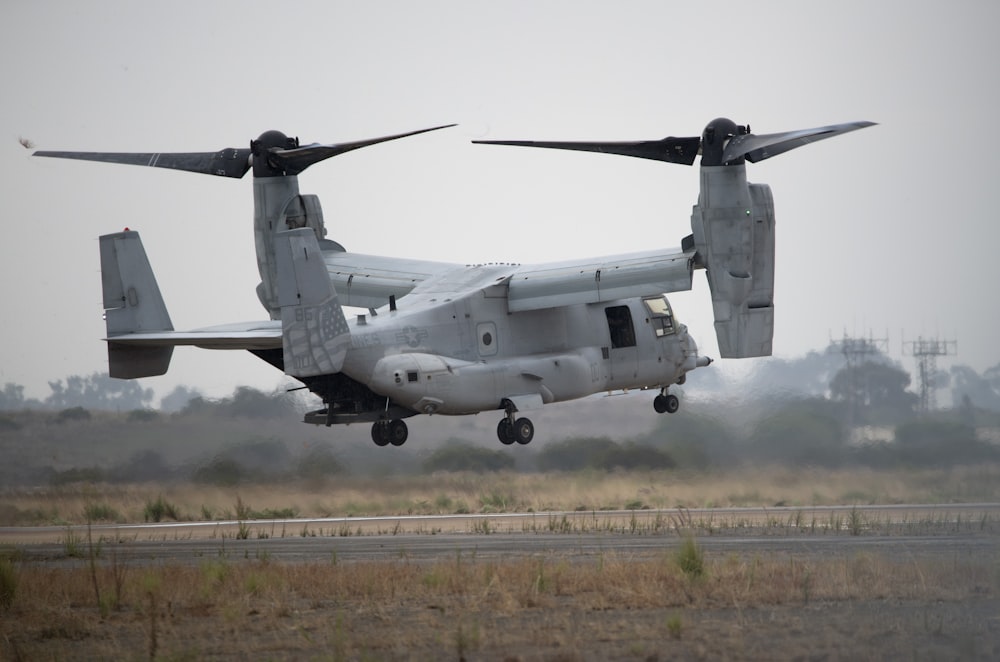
pixel 8 423
pixel 73 414
pixel 634 456
pixel 100 512
pixel 690 558
pixel 467 458
pixel 319 463
pixel 142 415
pixel 574 454
pixel 143 466
pixel 798 435
pixel 601 453
pixel 221 471
pixel 156 511
pixel 934 443
pixel 8 583
pixel 77 475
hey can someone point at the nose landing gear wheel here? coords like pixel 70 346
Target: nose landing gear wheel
pixel 666 404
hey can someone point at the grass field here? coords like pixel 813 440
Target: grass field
pixel 96 602
pixel 456 493
pixel 679 604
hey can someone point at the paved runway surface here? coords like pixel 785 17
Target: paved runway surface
pixel 920 530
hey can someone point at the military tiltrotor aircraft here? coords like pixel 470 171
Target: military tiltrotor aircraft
pixel 461 339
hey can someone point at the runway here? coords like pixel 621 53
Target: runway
pixel 920 530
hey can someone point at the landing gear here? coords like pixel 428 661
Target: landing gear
pixel 505 432
pixel 666 403
pixel 389 432
pixel 510 429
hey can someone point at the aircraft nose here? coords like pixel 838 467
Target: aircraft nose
pixel 692 359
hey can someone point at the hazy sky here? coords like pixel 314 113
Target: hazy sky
pixel 891 230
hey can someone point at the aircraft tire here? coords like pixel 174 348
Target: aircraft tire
pixel 660 404
pixel 380 433
pixel 673 404
pixel 505 432
pixel 524 431
pixel 397 432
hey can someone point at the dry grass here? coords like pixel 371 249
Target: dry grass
pixel 680 603
pixel 525 608
pixel 509 492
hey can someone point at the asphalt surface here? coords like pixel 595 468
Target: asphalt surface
pixel 920 530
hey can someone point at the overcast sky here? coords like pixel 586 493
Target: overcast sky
pixel 892 230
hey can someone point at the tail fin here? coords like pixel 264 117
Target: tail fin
pixel 132 303
pixel 314 332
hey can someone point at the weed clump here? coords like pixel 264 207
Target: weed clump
pixel 8 583
pixel 690 558
pixel 100 512
pixel 156 511
pixel 675 626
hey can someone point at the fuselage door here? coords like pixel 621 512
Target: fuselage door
pixel 623 355
pixel 489 344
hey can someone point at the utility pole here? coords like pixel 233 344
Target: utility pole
pixel 926 353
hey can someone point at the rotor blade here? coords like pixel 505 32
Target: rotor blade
pixel 230 162
pixel 757 148
pixel 669 149
pixel 297 159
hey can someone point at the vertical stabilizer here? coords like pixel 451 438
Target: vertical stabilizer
pixel 132 304
pixel 314 331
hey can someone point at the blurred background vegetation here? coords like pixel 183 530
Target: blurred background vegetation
pixel 808 412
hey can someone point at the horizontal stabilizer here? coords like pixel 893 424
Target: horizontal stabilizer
pixel 243 335
pixel 141 338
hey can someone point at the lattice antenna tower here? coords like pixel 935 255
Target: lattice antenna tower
pixel 926 352
pixel 856 351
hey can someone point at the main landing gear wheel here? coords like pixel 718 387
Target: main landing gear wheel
pixel 392 432
pixel 511 429
pixel 380 433
pixel 524 431
pixel 666 403
pixel 398 432
pixel 505 432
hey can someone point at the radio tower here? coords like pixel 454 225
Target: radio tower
pixel 855 351
pixel 926 353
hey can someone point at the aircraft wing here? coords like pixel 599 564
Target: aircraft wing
pixel 600 279
pixel 242 335
pixel 367 281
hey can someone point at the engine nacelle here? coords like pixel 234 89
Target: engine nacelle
pixel 733 228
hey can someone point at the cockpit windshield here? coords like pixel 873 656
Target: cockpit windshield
pixel 660 315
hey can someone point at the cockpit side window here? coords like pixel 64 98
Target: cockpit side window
pixel 660 316
pixel 620 326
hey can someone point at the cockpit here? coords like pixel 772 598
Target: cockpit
pixel 661 317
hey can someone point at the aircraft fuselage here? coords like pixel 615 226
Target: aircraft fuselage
pixel 465 355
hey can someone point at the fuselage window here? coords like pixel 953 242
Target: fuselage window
pixel 660 316
pixel 620 326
